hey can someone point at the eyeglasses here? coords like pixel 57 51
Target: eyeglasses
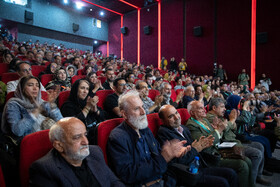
pixel 123 84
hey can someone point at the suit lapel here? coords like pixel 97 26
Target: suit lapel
pixel 93 166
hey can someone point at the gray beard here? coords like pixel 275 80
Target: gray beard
pixel 140 122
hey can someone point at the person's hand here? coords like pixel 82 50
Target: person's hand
pixel 246 106
pixel 233 115
pixel 215 122
pixel 158 100
pixel 174 148
pixel 179 97
pixel 203 142
pixel 264 108
pixel 53 94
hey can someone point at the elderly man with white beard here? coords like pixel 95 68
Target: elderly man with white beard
pixel 72 162
pixel 134 154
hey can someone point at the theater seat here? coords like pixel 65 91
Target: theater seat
pixel 102 79
pixel 154 122
pixel 103 131
pixel 62 97
pixel 77 77
pixel 179 90
pixel 6 77
pixel 36 70
pixel 33 147
pixel 46 78
pixel 173 95
pixel 2 180
pixel 102 94
pixel 153 93
pixel 3 68
pixel 184 115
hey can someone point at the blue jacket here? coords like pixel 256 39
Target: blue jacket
pixel 19 121
pixel 125 159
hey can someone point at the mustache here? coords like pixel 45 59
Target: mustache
pixel 84 146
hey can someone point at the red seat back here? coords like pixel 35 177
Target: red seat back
pixel 102 94
pixel 98 73
pixel 102 79
pixel 36 70
pixel 6 77
pixel 4 68
pixel 154 122
pixel 184 115
pixel 103 131
pixel 173 95
pixel 80 72
pixel 2 180
pixel 179 90
pixel 153 94
pixel 33 147
pixel 62 97
pixel 46 78
pixel 77 77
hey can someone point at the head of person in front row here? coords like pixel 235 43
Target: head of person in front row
pixel 72 161
pixel 26 112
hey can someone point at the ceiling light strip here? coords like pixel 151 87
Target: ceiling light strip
pixel 253 44
pixel 102 7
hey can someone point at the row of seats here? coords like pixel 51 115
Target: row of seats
pixel 36 145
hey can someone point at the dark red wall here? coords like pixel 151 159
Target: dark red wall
pixel 233 36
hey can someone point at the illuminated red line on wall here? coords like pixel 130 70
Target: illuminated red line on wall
pixel 103 7
pixel 107 48
pixel 253 44
pixel 138 29
pixel 138 37
pixel 134 6
pixel 121 39
pixel 159 32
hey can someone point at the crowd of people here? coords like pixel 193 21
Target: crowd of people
pixel 221 110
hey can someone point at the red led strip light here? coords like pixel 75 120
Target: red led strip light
pixel 253 44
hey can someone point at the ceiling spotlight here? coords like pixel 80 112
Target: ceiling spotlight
pixel 101 13
pixel 95 41
pixel 79 5
pixel 65 1
pixel 90 9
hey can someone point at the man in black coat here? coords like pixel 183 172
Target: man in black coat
pixel 72 162
pixel 172 129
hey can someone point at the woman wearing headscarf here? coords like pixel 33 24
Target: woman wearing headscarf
pixel 83 106
pixel 27 112
pixel 60 80
pixel 51 68
pixel 94 82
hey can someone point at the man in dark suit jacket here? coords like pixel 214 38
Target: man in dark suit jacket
pixel 172 129
pixel 72 162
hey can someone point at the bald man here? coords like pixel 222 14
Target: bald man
pixel 71 162
pixel 172 129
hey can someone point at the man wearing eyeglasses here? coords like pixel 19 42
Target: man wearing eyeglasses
pixel 23 69
pixel 111 102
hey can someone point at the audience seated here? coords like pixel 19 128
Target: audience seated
pixel 60 80
pixel 136 158
pixel 172 129
pixel 83 105
pixel 94 82
pixel 200 126
pixel 27 112
pixel 111 102
pixel 82 164
pixel 110 77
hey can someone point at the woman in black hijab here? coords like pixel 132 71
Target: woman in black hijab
pixel 82 105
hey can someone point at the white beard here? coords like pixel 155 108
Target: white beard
pixel 79 155
pixel 140 122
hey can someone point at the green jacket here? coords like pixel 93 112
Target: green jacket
pixel 197 131
pixel 228 133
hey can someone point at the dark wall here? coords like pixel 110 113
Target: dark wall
pixel 233 42
pixel 268 58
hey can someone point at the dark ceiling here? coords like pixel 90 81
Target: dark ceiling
pixel 92 10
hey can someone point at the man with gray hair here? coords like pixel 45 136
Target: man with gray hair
pixel 165 91
pixel 71 162
pixel 133 152
pixel 189 94
pixel 253 150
